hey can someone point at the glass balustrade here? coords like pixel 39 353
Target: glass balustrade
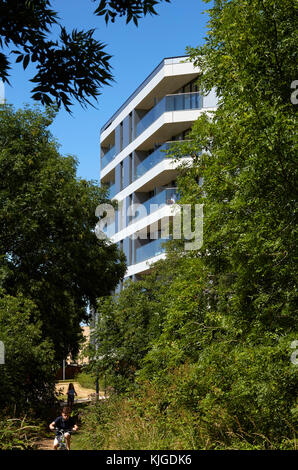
pixel 151 116
pixel 112 190
pixel 153 159
pixel 179 102
pixel 150 250
pixel 165 197
pixel 108 157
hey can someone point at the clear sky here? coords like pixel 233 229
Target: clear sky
pixel 136 52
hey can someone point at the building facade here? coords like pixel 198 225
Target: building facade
pixel 134 165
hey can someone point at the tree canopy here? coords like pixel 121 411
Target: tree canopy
pixel 28 374
pixel 48 248
pixel 248 160
pixel 72 67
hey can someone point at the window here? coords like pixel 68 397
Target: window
pixel 131 176
pixel 121 176
pixel 121 136
pixel 130 201
pixel 130 127
pixel 130 251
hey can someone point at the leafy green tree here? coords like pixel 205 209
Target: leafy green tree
pixel 245 154
pixel 48 248
pixel 27 376
pixel 128 323
pixel 73 66
pixel 248 162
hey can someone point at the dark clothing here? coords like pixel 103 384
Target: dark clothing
pixel 70 398
pixel 71 394
pixel 65 424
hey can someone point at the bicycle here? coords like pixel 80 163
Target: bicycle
pixel 60 435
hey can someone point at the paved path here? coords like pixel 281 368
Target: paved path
pixel 83 394
pixel 46 444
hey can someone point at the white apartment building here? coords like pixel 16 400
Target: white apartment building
pixel 133 162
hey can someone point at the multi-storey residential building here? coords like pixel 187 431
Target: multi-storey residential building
pixel 133 162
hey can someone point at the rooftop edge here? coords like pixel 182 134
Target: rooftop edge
pixel 138 89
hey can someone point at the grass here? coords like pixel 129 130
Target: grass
pixel 77 441
pixel 19 433
pixel 87 380
pixel 146 421
pixel 62 397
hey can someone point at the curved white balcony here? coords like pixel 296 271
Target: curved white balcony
pixel 178 111
pixel 179 102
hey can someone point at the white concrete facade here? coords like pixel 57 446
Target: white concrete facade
pixel 133 162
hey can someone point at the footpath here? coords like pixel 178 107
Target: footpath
pixel 84 395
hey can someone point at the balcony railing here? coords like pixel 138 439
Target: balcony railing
pixel 165 197
pixel 112 190
pixel 150 250
pixel 153 159
pixel 180 102
pixel 108 157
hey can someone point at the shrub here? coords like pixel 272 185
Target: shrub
pixel 18 434
pixel 27 377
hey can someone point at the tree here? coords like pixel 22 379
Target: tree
pixel 127 324
pixel 245 154
pixel 48 248
pixel 74 66
pixel 28 374
pixel 248 162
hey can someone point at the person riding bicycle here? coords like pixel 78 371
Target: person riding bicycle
pixel 66 424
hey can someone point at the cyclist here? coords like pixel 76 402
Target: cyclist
pixel 65 423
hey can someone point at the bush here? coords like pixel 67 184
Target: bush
pixel 18 434
pixel 86 380
pixel 236 397
pixel 27 377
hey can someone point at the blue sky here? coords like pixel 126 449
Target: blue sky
pixel 136 52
